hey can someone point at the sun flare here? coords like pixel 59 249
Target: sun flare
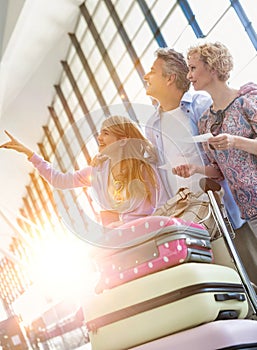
pixel 62 268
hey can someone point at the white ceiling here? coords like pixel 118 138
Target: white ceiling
pixel 33 38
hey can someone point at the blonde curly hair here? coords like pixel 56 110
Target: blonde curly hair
pixel 216 56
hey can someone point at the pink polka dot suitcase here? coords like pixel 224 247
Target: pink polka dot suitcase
pixel 177 243
pixel 164 303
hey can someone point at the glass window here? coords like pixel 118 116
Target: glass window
pixel 132 85
pixel 175 27
pixel 89 96
pixel 109 31
pixel 245 74
pixel 124 67
pixel 142 39
pixel 243 53
pixel 91 6
pixel 100 16
pixel 88 43
pixel 160 9
pixel 72 101
pixel 95 106
pixel 66 86
pixel 141 97
pixel 133 20
pixel 116 49
pixel 101 75
pixel 83 82
pixel 76 67
pixel 81 28
pixel 94 59
pixel 208 13
pixel 109 91
pixel 122 8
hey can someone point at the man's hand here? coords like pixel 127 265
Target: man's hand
pixel 185 170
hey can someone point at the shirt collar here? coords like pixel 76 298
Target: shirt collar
pixel 187 98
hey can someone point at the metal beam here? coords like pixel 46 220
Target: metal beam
pixel 245 21
pixel 191 18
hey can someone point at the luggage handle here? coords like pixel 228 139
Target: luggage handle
pixel 198 242
pixel 209 186
pixel 229 296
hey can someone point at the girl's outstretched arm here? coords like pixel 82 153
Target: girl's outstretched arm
pixel 16 145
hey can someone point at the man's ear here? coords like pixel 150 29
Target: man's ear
pixel 171 79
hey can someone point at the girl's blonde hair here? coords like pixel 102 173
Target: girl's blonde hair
pixel 137 155
pixel 216 56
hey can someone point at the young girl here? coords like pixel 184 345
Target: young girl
pixel 123 181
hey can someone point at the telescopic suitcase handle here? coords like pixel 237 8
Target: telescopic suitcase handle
pixel 208 184
pixel 210 187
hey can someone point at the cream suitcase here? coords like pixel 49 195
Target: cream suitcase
pixel 163 303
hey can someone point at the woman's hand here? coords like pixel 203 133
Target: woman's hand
pixel 16 145
pixel 248 87
pixel 185 170
pixel 222 142
pixel 226 141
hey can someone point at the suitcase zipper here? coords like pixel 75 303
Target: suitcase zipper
pixel 228 291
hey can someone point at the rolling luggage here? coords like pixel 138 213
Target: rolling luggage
pixel 174 245
pixel 163 303
pixel 218 335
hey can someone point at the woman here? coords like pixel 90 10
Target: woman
pixel 232 121
pixel 123 181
